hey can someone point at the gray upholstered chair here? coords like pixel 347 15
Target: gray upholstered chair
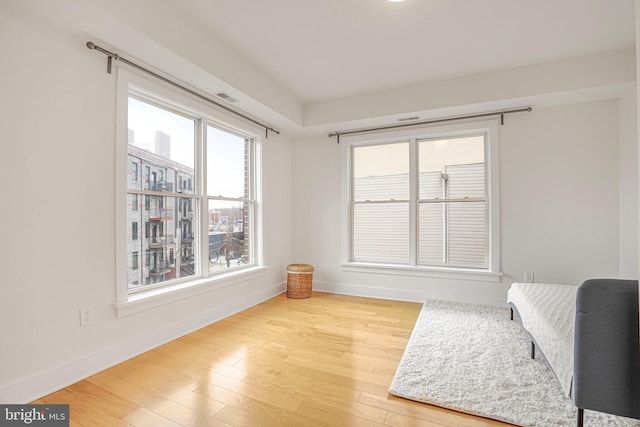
pixel 606 353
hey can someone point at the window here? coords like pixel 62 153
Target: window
pixel 424 199
pixel 199 191
pixel 229 202
pixel 134 171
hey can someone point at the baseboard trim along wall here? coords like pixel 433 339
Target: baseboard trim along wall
pixel 476 295
pixel 46 382
pixel 369 291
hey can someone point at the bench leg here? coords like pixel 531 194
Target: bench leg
pixel 533 350
pixel 580 417
pixel 511 313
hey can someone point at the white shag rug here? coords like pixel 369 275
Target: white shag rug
pixel 473 359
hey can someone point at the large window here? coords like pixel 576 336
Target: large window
pixel 424 199
pixel 195 176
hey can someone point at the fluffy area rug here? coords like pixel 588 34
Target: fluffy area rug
pixel 473 359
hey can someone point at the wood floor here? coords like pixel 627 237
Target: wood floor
pixel 323 361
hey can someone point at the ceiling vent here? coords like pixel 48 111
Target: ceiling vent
pixel 227 97
pixel 408 119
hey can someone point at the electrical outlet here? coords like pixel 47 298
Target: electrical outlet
pixel 86 316
pixel 528 276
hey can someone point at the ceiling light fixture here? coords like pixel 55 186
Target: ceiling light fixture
pixel 396 1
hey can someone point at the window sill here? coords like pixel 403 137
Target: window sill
pixel 146 300
pixel 432 272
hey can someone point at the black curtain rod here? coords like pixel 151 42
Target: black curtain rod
pixel 111 56
pixel 426 122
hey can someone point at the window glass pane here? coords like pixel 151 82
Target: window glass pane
pixel 381 172
pixel 160 149
pixel 452 168
pixel 228 235
pixel 432 185
pixel 431 237
pixel 134 246
pixel 454 234
pixel 168 243
pixel 227 164
pixel 467 234
pixel 381 233
pixel 186 236
pixel 465 181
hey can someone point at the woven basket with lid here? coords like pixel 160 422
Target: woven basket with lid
pixel 299 280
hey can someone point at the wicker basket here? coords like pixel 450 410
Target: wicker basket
pixel 299 280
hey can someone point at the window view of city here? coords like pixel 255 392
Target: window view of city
pixel 161 228
pixel 164 224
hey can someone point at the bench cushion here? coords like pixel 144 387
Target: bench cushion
pixel 547 312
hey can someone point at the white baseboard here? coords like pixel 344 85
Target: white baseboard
pixel 46 382
pixel 402 294
pixel 369 292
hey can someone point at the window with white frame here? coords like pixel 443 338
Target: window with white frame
pixel 424 199
pixel 198 189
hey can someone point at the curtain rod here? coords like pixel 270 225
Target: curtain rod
pixel 500 113
pixel 111 55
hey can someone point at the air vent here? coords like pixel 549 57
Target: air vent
pixel 408 119
pixel 226 97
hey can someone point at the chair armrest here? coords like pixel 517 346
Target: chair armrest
pixel 606 354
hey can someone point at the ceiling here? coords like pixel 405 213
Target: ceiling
pixel 330 49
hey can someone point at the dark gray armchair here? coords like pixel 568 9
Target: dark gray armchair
pixel 606 374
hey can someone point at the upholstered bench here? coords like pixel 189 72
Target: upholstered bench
pixel 590 337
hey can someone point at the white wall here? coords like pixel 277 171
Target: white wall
pixel 560 211
pixel 628 190
pixel 57 119
pixel 560 200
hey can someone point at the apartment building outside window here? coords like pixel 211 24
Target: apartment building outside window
pixel 424 199
pixel 198 187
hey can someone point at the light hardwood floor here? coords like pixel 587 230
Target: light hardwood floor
pixel 323 361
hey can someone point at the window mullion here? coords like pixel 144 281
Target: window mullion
pixel 203 225
pixel 351 212
pixel 445 218
pixel 413 201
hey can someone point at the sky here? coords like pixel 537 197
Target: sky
pixel 225 151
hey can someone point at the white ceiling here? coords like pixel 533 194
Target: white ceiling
pixel 327 49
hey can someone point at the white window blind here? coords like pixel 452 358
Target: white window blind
pixel 449 198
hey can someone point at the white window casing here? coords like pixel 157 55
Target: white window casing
pixel 131 299
pixel 416 215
